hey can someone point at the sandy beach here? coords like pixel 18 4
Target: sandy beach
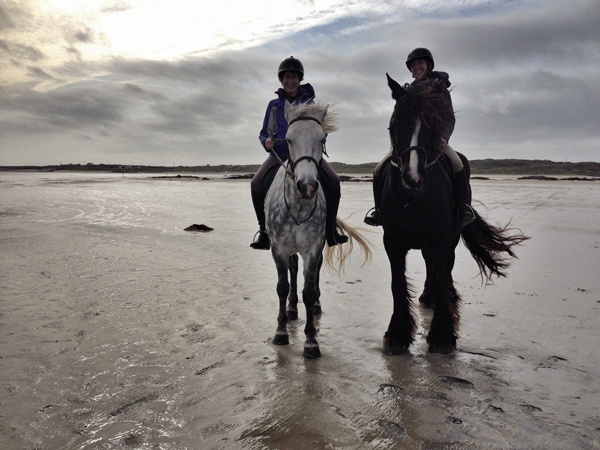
pixel 119 330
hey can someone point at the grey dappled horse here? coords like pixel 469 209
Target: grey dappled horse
pixel 295 220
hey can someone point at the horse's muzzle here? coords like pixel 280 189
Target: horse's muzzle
pixel 412 182
pixel 307 189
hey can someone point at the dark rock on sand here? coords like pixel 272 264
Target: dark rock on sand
pixel 202 228
pixel 247 176
pixel 455 420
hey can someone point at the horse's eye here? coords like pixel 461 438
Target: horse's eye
pixel 289 141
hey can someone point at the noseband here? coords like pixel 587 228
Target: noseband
pixel 400 165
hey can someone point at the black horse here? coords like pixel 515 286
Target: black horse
pixel 418 211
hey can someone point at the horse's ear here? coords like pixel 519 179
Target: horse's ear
pixel 289 112
pixel 397 91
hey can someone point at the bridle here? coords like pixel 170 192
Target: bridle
pixel 400 165
pixel 291 166
pixel 290 170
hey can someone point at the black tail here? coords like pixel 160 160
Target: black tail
pixel 491 246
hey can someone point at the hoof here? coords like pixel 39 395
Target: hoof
pixel 443 349
pixel 292 314
pixel 317 310
pixel 281 338
pixel 312 351
pixel 393 349
pixel 441 345
pixel 426 300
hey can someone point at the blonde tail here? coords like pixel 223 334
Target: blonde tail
pixel 336 256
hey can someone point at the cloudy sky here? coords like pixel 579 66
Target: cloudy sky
pixel 187 82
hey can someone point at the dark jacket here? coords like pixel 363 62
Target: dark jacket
pixel 444 79
pixel 305 94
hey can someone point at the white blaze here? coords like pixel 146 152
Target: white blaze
pixel 413 164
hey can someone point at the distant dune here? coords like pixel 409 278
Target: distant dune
pixel 478 166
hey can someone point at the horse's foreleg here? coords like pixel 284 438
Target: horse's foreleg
pixel 403 326
pixel 283 287
pixel 292 308
pixel 444 325
pixel 317 311
pixel 311 271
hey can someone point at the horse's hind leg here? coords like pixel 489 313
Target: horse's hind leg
pixel 283 287
pixel 426 299
pixel 311 271
pixel 292 308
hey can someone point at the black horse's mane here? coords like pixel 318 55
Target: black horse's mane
pixel 429 103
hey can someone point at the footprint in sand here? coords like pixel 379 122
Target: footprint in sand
pixel 456 382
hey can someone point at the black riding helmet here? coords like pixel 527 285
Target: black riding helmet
pixel 420 53
pixel 291 63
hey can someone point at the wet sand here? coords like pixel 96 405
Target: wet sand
pixel 119 330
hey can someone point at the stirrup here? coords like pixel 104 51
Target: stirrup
pixel 466 214
pixel 372 219
pixel 334 238
pixel 263 242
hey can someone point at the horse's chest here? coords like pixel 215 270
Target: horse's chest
pixel 418 226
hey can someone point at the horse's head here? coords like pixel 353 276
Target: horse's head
pixel 308 125
pixel 416 128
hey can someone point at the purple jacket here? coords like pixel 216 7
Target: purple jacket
pixel 305 94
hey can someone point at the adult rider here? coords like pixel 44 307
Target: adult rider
pixel 291 73
pixel 420 63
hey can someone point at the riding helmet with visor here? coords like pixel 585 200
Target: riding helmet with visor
pixel 291 63
pixel 420 53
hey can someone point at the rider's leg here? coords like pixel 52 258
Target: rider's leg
pixel 261 242
pixel 462 188
pixel 374 219
pixel 332 195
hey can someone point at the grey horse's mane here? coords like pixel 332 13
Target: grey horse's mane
pixel 330 121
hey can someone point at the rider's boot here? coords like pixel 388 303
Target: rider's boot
pixel 462 190
pixel 261 242
pixel 374 219
pixel 331 227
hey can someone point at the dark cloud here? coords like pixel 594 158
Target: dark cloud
pixel 66 108
pixel 112 6
pixel 37 72
pixel 5 21
pixel 222 69
pixel 84 35
pixel 21 51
